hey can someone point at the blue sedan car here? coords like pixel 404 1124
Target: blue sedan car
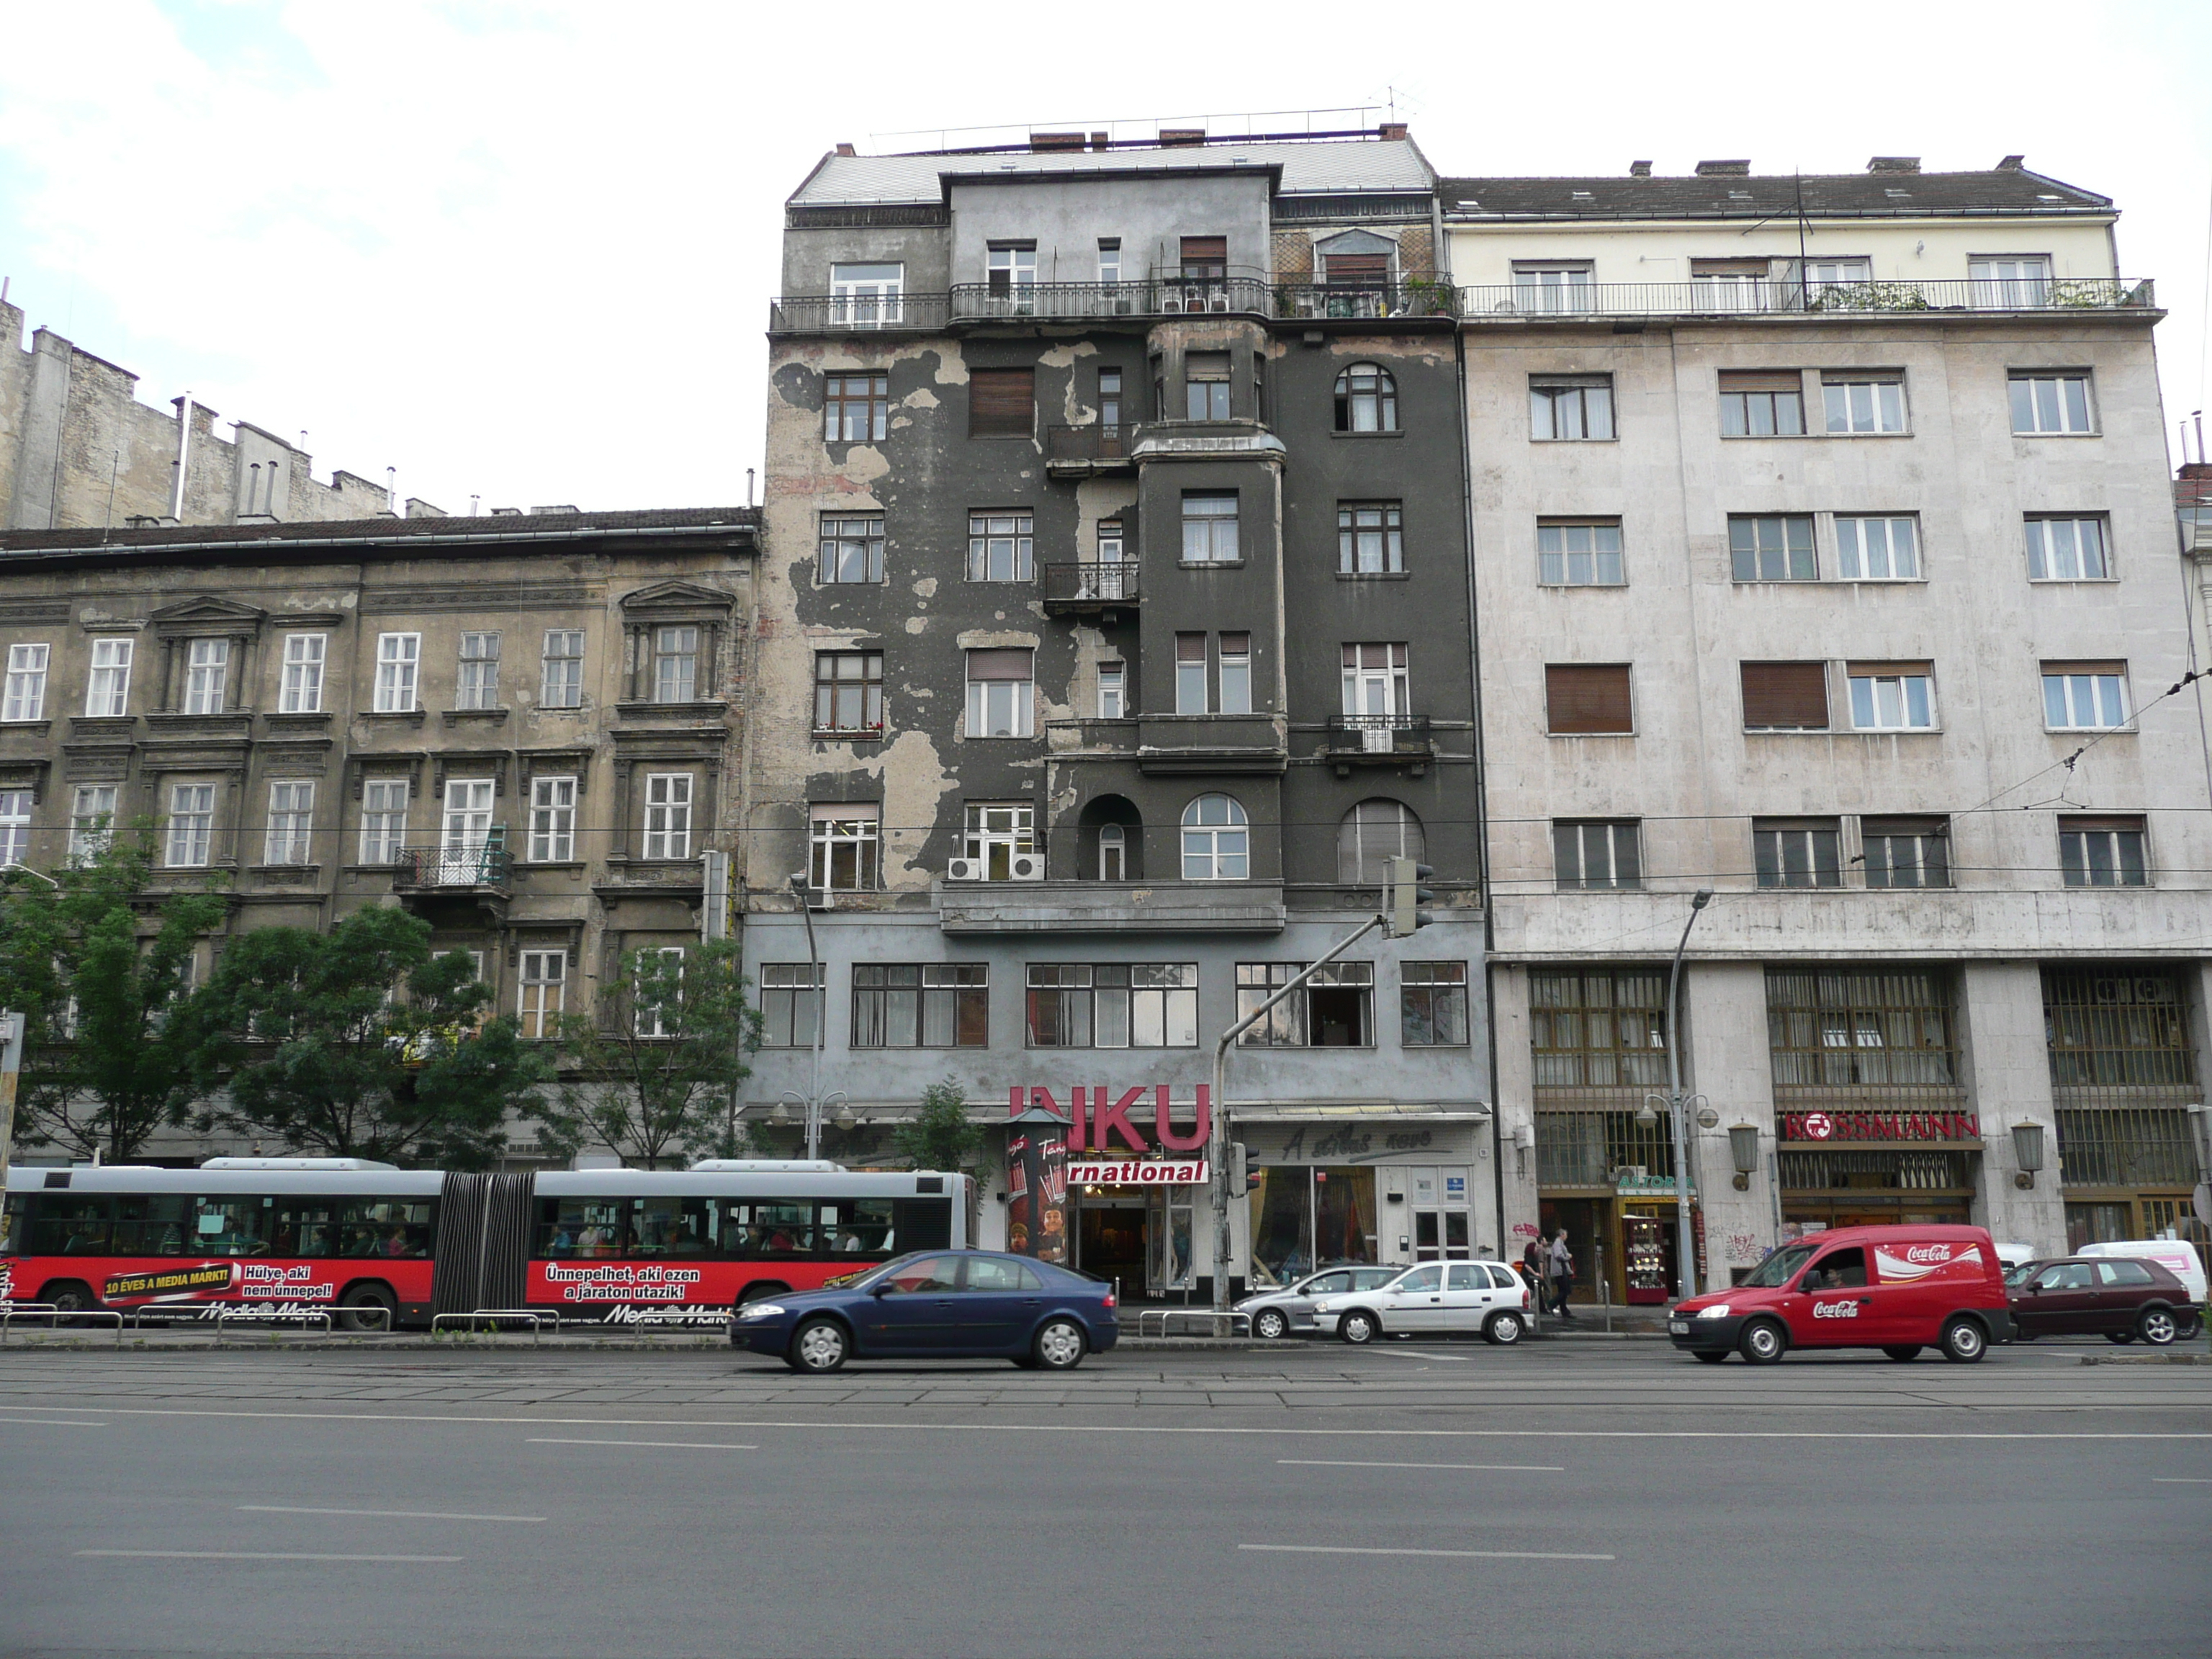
pixel 938 1304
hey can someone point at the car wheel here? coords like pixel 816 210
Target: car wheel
pixel 1271 1324
pixel 2158 1327
pixel 1504 1330
pixel 2119 1336
pixel 1763 1342
pixel 1903 1351
pixel 1710 1358
pixel 1060 1345
pixel 1963 1342
pixel 819 1346
pixel 1359 1327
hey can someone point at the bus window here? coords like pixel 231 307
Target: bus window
pixel 228 1226
pixel 578 1227
pixel 857 1226
pixel 769 1232
pixel 12 1222
pixel 65 1225
pixel 305 1226
pixel 394 1229
pixel 662 1229
pixel 152 1223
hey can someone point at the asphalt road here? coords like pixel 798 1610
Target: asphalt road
pixel 1571 1498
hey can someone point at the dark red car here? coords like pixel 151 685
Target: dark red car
pixel 2118 1297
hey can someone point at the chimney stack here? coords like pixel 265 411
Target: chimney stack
pixel 1172 137
pixel 1055 141
pixel 846 150
pixel 1101 141
pixel 1393 130
pixel 1722 169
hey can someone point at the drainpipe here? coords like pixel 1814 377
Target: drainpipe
pixel 184 455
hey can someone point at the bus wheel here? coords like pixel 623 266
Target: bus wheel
pixel 367 1299
pixel 68 1296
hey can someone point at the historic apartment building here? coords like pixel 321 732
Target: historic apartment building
pixel 1117 629
pixel 1826 561
pixel 525 729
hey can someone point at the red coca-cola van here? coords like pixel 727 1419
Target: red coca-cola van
pixel 1898 1289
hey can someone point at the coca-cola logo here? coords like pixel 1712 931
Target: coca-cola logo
pixel 1928 1253
pixel 1835 1310
pixel 1819 1126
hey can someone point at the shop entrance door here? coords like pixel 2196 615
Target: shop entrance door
pixel 1109 1238
pixel 1167 1228
pixel 1442 1224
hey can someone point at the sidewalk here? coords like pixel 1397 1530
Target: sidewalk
pixel 1593 1320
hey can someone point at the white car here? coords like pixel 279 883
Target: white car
pixel 1432 1299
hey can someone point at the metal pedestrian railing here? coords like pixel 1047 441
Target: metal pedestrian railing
pixel 535 1319
pixel 1192 1321
pixel 11 1311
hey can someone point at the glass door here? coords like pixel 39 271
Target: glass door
pixel 1442 1224
pixel 1166 1240
pixel 467 828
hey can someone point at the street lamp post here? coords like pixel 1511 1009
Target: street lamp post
pixel 1685 1248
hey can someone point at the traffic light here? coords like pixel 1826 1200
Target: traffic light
pixel 1242 1177
pixel 1405 900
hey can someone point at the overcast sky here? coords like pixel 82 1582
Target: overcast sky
pixel 525 252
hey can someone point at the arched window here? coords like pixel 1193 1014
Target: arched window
pixel 1366 400
pixel 1216 842
pixel 1113 853
pixel 1371 832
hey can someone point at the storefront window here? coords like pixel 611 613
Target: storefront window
pixel 1309 1215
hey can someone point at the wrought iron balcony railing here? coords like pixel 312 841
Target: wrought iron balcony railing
pixel 1320 302
pixel 1380 734
pixel 429 869
pixel 1092 444
pixel 1155 296
pixel 1758 297
pixel 1102 586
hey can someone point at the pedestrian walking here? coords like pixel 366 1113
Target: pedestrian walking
pixel 1535 1265
pixel 1563 1275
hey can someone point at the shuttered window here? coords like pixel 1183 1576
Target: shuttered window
pixel 1582 699
pixel 1001 403
pixel 1785 696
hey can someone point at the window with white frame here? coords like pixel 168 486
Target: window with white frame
pixel 2048 401
pixel 1579 553
pixel 851 548
pixel 1010 273
pixel 300 691
pixel 191 825
pixel 1002 693
pixel 206 676
pixel 1205 386
pixel 1217 840
pixel 1334 1009
pixel 2067 549
pixel 865 295
pixel 791 1003
pixel 477 684
pixel 1001 547
pixel 675 664
pixel 655 1018
pixel 1541 286
pixel 1366 400
pixel 1891 697
pixel 845 849
pixel 543 992
pixel 2017 282
pixel 1234 669
pixel 291 814
pixel 1370 539
pixel 928 1005
pixel 1432 1005
pixel 26 698
pixel 92 820
pixel 996 833
pixel 1877 549
pixel 1112 1004
pixel 1570 408
pixel 467 826
pixel 1859 404
pixel 1597 856
pixel 107 693
pixel 383 819
pixel 2102 852
pixel 1209 528
pixel 1192 691
pixel 1376 683
pixel 668 815
pixel 560 684
pixel 552 819
pixel 1113 679
pixel 1113 851
pixel 15 825
pixel 2085 696
pixel 399 666
pixel 1110 261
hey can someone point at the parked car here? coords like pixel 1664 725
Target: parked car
pixel 1898 1289
pixel 938 1304
pixel 2176 1256
pixel 2120 1299
pixel 1279 1313
pixel 1431 1299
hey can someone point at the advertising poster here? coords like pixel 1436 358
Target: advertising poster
pixel 1036 1192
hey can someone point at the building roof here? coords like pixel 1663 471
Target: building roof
pixel 1305 168
pixel 2009 190
pixel 267 540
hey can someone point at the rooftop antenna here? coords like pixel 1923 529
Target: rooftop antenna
pixel 2198 415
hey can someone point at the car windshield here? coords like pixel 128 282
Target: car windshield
pixel 876 1273
pixel 1780 1267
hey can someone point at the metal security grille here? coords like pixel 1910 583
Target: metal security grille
pixel 2117 1037
pixel 2125 1146
pixel 1585 1149
pixel 1863 1038
pixel 1602 1030
pixel 1836 1171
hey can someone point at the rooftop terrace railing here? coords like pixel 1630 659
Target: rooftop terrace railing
pixel 1756 297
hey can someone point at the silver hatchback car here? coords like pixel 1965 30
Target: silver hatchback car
pixel 1290 1310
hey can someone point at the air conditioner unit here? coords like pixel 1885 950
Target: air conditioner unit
pixel 821 898
pixel 1026 866
pixel 964 869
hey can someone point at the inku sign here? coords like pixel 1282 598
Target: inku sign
pixel 1103 1124
pixel 1881 1126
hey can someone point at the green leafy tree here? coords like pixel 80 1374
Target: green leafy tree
pixel 359 1042
pixel 101 966
pixel 655 1071
pixel 941 1135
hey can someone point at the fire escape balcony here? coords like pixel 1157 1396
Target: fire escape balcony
pixel 1087 590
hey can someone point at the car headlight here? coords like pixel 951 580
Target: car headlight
pixel 1718 1310
pixel 761 1310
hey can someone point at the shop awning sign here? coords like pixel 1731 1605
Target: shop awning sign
pixel 1139 1172
pixel 1881 1126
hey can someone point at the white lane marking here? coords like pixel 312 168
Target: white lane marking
pixel 255 1555
pixel 387 1515
pixel 1360 1463
pixel 1150 1428
pixel 676 1445
pixel 2181 1480
pixel 1464 1555
pixel 54 1422
pixel 1416 1353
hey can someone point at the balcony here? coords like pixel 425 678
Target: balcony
pixel 1079 451
pixel 1363 301
pixel 1525 302
pixel 1356 740
pixel 1089 590
pixel 1210 744
pixel 477 876
pixel 1109 906
pixel 1158 296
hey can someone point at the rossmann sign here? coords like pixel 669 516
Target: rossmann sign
pixel 1098 1118
pixel 1882 1126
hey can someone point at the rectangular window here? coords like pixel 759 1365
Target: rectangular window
pixel 1859 404
pixel 1797 852
pixel 852 548
pixel 383 819
pixel 2051 401
pixel 2085 696
pixel 655 1018
pixel 1191 696
pixel 1236 673
pixel 1552 287
pixel 996 833
pixel 15 825
pixel 1205 386
pixel 855 408
pixel 1432 1005
pixel 92 820
pixel 399 659
pixel 1892 696
pixel 1001 403
pixel 1771 548
pixel 2010 281
pixel 848 691
pixel 1762 403
pixel 563 683
pixel 26 698
pixel 1371 539
pixel 1110 411
pixel 552 820
pixel 845 847
pixel 1112 690
pixel 477 685
pixel 791 1008
pixel 1606 1029
pixel 1886 1027
pixel 1731 285
pixel 1113 1004
pixel 543 992
pixel 1377 682
pixel 1109 260
pixel 1582 700
pixel 107 693
pixel 1010 273
pixel 931 1005
pixel 2068 551
pixel 1597 856
pixel 1570 408
pixel 1785 696
pixel 1884 549
pixel 467 826
pixel 668 815
pixel 291 812
pixel 1001 694
pixel 1906 852
pixel 191 825
pixel 1334 1009
pixel 206 676
pixel 1001 547
pixel 1579 553
pixel 866 296
pixel 301 692
pixel 675 665
pixel 1209 528
pixel 2102 853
